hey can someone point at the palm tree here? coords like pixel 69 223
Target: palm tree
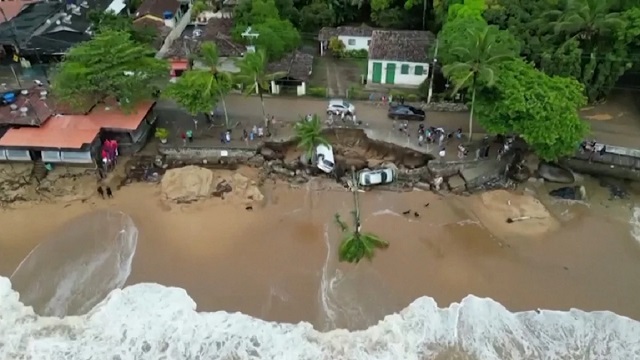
pixel 355 244
pixel 209 57
pixel 253 74
pixel 476 63
pixel 309 134
pixel 586 19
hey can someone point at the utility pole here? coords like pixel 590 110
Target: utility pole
pixel 251 36
pixel 433 72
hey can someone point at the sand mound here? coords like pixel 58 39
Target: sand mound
pixel 495 207
pixel 187 184
pixel 191 183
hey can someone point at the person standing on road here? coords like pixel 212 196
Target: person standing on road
pixel 109 193
pixel 101 192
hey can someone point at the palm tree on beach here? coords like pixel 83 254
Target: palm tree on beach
pixel 309 134
pixel 355 244
pixel 476 63
pixel 254 76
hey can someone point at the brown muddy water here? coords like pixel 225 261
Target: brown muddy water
pixel 279 262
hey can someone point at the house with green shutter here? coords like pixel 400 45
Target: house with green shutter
pixel 399 57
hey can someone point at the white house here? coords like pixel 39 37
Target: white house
pixel 353 38
pixel 399 57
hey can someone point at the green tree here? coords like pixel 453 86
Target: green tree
pixel 112 64
pixel 254 76
pixel 473 62
pixel 356 244
pixel 198 90
pixel 110 21
pixel 309 135
pixel 277 35
pixel 591 41
pixel 316 15
pixel 587 20
pixel 542 109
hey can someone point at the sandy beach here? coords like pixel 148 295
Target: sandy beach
pixel 271 262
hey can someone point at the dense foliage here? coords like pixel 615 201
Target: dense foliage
pixel 277 35
pixel 538 107
pixel 113 65
pixel 108 21
pixel 199 90
pixel 593 41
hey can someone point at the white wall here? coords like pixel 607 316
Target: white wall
pixel 69 157
pixel 409 79
pixel 18 155
pixel 3 154
pixel 360 42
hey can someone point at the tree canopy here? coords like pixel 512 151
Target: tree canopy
pixel 112 64
pixel 109 21
pixel 542 109
pixel 592 41
pixel 277 35
pixel 309 134
pixel 199 90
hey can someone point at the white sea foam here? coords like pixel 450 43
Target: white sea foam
pixel 150 321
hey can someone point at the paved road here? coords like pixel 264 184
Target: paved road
pixel 247 110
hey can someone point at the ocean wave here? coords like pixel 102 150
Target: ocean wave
pixel 151 321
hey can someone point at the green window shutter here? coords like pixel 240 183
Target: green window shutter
pixel 419 70
pixel 404 69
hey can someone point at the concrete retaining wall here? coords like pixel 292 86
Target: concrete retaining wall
pixel 194 154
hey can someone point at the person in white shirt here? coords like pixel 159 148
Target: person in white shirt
pixel 442 154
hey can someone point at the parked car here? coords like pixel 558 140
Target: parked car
pixel 405 112
pixel 376 177
pixel 339 106
pixel 324 158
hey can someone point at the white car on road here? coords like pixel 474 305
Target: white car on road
pixel 376 177
pixel 339 106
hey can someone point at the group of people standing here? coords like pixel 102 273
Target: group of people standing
pixel 109 154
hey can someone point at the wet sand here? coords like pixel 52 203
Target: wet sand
pixel 269 262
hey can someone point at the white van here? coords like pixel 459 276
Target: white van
pixel 324 158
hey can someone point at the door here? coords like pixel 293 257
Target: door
pixel 391 74
pixel 377 73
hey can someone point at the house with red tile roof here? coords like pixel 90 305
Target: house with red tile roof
pixel 36 131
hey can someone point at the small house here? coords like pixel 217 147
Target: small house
pixel 74 139
pixel 297 68
pixel 216 30
pixel 353 37
pixel 399 57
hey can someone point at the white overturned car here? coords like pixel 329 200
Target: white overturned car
pixel 376 177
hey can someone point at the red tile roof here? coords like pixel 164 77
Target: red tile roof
pixel 60 132
pixel 73 131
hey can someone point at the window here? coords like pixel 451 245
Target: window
pixel 352 42
pixel 51 156
pixel 18 155
pixel 83 157
pixel 419 70
pixel 404 69
pixel 368 42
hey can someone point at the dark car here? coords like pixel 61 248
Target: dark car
pixel 405 112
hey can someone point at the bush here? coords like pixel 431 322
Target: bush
pixel 413 98
pixel 356 54
pixel 317 92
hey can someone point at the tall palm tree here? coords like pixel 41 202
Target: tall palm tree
pixel 355 244
pixel 309 134
pixel 586 20
pixel 476 63
pixel 209 57
pixel 254 76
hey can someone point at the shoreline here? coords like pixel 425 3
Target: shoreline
pixel 440 239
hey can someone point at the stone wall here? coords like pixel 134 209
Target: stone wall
pixel 197 155
pixel 446 106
